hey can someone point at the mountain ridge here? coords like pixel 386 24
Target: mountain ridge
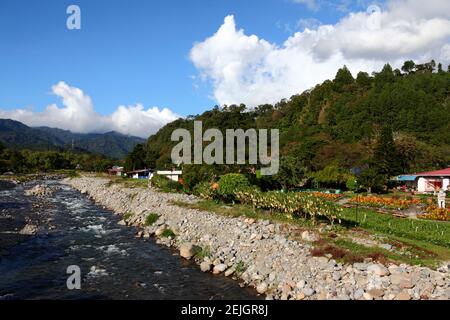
pixel 16 135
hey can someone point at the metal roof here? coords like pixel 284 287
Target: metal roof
pixel 406 178
pixel 437 173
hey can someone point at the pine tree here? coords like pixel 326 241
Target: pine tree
pixel 386 157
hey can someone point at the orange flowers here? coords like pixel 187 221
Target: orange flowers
pixel 434 213
pixel 328 196
pixel 384 202
pixel 215 186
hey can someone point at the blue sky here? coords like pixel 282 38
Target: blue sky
pixel 189 55
pixel 127 51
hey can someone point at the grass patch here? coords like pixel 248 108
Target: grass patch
pixel 203 253
pixel 240 267
pixel 424 230
pixel 151 219
pixel 168 233
pixel 127 215
pixel 128 183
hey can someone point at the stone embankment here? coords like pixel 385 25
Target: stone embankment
pixel 261 253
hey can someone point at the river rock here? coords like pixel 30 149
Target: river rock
pixel 28 230
pixel 309 236
pixel 376 293
pixel 403 296
pixel 308 291
pixel 188 250
pixel 262 288
pixel 378 269
pixel 205 266
pixel 219 268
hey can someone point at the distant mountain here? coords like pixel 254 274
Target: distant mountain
pixel 16 135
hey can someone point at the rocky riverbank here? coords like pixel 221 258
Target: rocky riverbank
pixel 261 254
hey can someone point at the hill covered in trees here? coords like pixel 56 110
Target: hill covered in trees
pixel 370 127
pixel 16 135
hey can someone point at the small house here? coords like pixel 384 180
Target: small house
pixel 140 174
pixel 427 182
pixel 116 171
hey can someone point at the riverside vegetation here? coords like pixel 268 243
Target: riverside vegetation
pixel 284 253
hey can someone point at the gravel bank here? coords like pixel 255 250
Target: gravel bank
pixel 260 253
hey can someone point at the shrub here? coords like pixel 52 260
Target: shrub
pixel 240 267
pixel 165 184
pixel 127 216
pixel 151 219
pixel 231 183
pixel 292 204
pixel 205 190
pixel 203 253
pixel 168 233
pixel 352 184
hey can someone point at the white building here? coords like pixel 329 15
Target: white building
pixel 172 175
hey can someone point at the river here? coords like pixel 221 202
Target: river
pixel 114 263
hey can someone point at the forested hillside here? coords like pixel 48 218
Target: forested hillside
pixel 372 126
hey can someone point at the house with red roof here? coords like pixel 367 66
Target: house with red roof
pixel 427 182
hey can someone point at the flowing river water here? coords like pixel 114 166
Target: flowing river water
pixel 114 264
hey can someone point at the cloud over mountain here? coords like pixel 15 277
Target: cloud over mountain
pixel 78 115
pixel 247 69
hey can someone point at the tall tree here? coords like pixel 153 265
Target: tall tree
pixel 408 66
pixel 386 157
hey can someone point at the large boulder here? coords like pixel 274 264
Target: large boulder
pixel 188 250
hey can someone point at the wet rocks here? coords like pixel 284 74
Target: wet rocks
pixel 29 230
pixel 39 191
pixel 219 268
pixel 188 250
pixel 205 266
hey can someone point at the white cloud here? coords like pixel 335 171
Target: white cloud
pixel 78 115
pixel 310 4
pixel 251 70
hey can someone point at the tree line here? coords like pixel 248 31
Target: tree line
pixel 29 161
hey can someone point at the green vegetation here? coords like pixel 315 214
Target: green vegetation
pixel 368 128
pixel 428 231
pixel 168 233
pixel 306 205
pixel 230 184
pixel 128 183
pixel 203 253
pixel 165 184
pixel 151 219
pixel 240 267
pixel 128 215
pixel 27 161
